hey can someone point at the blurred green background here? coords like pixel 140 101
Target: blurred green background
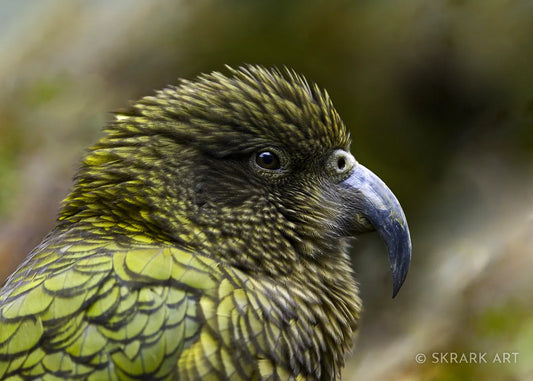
pixel 438 96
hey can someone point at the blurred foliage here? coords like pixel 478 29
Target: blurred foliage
pixel 437 96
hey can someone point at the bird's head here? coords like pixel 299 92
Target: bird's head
pixel 252 168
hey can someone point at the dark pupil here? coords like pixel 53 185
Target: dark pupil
pixel 268 160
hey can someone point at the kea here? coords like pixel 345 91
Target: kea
pixel 205 237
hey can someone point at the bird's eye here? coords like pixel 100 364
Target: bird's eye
pixel 267 160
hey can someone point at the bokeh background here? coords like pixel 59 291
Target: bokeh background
pixel 438 96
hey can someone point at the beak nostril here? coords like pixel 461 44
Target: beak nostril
pixel 341 163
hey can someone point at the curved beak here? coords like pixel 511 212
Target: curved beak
pixel 378 206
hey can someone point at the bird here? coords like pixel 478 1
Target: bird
pixel 206 237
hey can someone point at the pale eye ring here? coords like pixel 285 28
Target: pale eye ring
pixel 341 162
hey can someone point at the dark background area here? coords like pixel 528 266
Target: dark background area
pixel 438 96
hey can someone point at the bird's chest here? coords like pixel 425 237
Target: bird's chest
pixel 267 328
